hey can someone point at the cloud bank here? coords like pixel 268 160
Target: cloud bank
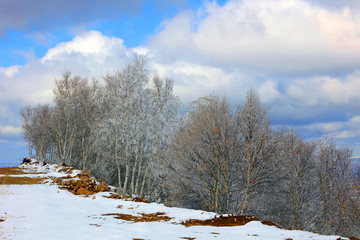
pixel 303 58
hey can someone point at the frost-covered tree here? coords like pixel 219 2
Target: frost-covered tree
pixel 137 120
pixel 123 97
pixel 68 96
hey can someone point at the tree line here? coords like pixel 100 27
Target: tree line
pixel 128 132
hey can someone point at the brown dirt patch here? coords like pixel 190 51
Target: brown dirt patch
pixel 138 199
pixel 11 171
pixel 83 184
pixel 269 223
pixel 188 238
pixel 67 170
pixel 221 221
pixel 145 217
pixel 2 220
pixel 114 196
pixel 20 180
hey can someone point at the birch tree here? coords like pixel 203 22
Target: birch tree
pixel 257 145
pixel 334 171
pixel 67 98
pixel 123 97
pixel 300 194
pixel 202 157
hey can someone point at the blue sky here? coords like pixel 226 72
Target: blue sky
pixel 302 55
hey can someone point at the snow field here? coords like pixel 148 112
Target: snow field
pixel 43 211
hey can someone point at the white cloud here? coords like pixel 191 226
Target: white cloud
pixel 341 90
pixel 9 71
pixel 10 130
pixel 197 80
pixel 339 130
pixel 269 91
pixel 282 36
pixel 90 54
pixel 90 44
pixel 227 49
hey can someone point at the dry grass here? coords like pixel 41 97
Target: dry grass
pixel 11 171
pixel 145 217
pixel 6 180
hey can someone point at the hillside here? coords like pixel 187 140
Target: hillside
pixel 42 201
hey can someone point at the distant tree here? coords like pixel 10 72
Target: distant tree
pixel 300 193
pixel 27 114
pixel 38 131
pixel 334 170
pixel 351 208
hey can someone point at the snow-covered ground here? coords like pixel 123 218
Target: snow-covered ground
pixel 43 211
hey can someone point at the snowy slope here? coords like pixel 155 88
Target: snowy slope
pixel 43 211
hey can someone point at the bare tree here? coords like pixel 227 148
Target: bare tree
pixel 27 114
pixel 257 145
pixel 334 170
pixel 202 156
pixel 300 193
pixel 37 131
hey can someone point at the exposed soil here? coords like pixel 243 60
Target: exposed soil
pixel 145 217
pixel 67 169
pixel 11 171
pixel 138 199
pixel 82 184
pixel 116 196
pixel 221 221
pixel 6 180
pixel 269 223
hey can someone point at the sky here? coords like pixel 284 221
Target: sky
pixel 303 56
